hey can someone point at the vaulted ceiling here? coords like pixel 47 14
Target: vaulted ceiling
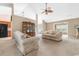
pixel 62 11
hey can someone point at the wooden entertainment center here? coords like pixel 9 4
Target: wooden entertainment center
pixel 9 27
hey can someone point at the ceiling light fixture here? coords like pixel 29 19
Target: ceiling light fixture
pixel 47 9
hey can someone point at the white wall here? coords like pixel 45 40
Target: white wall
pixel 5 13
pixel 17 22
pixel 19 8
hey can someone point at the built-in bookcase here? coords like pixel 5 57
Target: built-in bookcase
pixel 28 28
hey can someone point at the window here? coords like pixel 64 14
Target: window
pixel 62 28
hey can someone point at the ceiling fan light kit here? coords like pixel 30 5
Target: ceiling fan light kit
pixel 47 10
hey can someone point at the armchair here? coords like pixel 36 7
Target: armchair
pixel 25 45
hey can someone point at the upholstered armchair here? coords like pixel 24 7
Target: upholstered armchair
pixel 25 45
pixel 53 35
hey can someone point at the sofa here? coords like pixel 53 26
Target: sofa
pixel 52 35
pixel 25 44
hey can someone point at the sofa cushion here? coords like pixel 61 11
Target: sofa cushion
pixel 50 32
pixel 17 34
pixel 24 36
pixel 20 35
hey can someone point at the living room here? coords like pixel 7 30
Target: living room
pixel 50 30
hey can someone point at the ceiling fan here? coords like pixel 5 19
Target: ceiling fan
pixel 47 10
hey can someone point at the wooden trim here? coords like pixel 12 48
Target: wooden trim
pixel 9 27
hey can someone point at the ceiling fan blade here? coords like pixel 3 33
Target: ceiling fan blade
pixel 47 9
pixel 50 11
pixel 43 12
pixel 46 12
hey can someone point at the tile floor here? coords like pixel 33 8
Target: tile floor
pixel 67 47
